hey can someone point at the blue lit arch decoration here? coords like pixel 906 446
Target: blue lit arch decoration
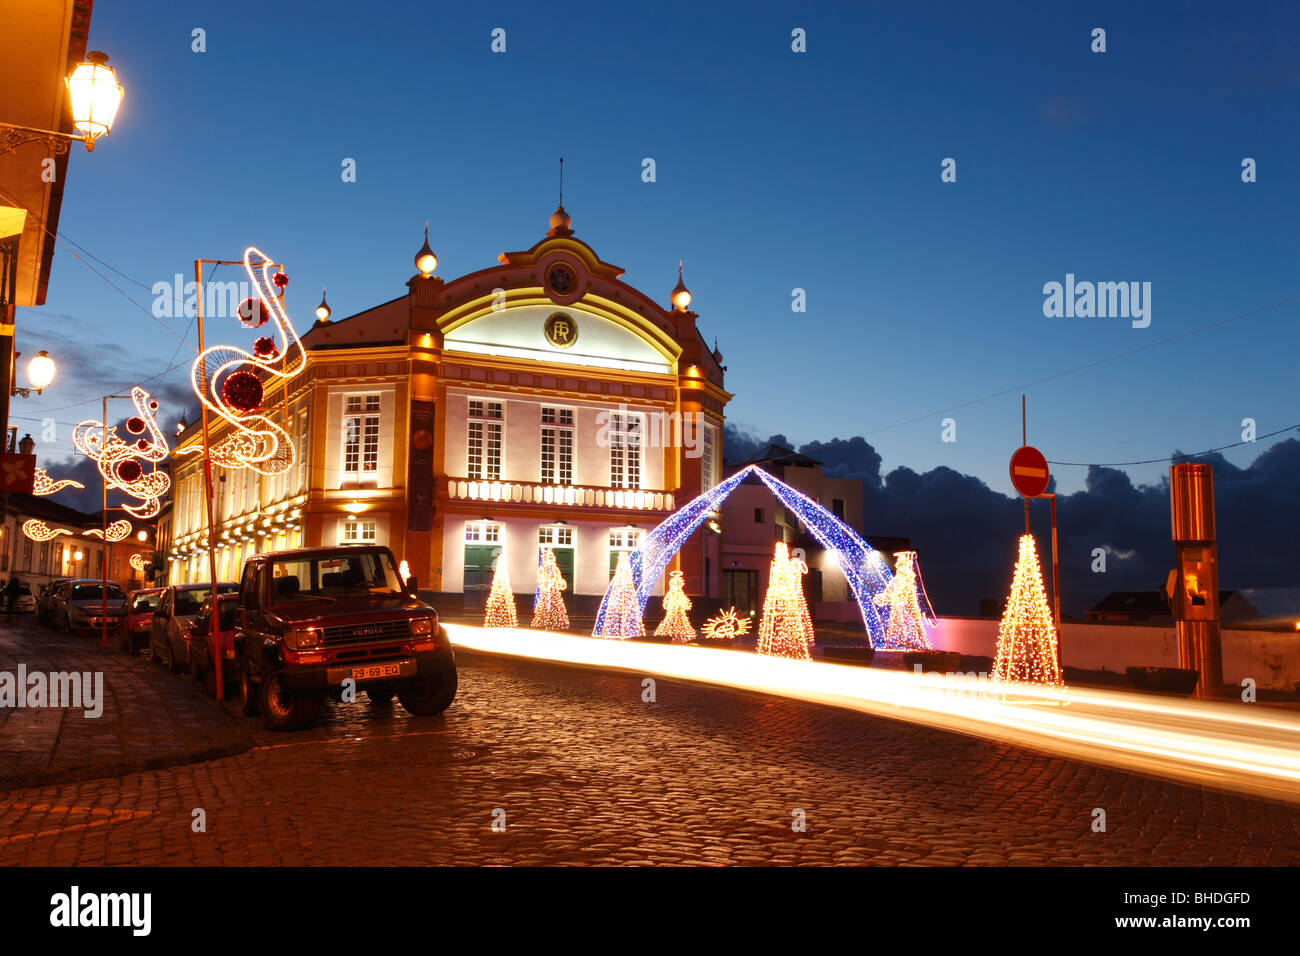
pixel 866 571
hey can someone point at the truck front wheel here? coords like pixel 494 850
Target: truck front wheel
pixel 427 696
pixel 281 708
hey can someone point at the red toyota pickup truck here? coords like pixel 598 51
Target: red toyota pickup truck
pixel 317 622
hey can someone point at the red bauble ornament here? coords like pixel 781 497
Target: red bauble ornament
pixel 242 391
pixel 280 279
pixel 253 314
pixel 128 470
pixel 135 424
pixel 265 347
pixel 142 444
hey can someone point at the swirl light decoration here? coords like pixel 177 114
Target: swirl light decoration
pixel 116 531
pixel 139 562
pixel 38 530
pixel 119 461
pixel 45 485
pixel 230 381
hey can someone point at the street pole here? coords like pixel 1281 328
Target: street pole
pixel 214 618
pixel 103 557
pixel 1056 586
pixel 1024 440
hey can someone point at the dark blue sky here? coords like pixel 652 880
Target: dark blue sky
pixel 775 170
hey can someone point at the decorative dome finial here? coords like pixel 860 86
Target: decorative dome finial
pixel 561 221
pixel 681 296
pixel 425 260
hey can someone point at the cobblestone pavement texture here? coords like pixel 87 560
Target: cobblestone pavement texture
pixel 150 718
pixel 586 772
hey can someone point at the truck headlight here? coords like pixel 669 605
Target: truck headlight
pixel 421 626
pixel 300 638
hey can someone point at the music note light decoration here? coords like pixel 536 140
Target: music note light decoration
pixel 119 461
pixel 45 485
pixel 230 380
pixel 38 530
pixel 116 531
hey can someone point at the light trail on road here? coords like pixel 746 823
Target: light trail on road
pixel 1235 746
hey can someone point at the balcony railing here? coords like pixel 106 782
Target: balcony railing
pixel 576 496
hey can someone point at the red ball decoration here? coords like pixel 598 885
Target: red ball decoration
pixel 142 444
pixel 242 391
pixel 128 470
pixel 280 279
pixel 265 347
pixel 135 424
pixel 253 314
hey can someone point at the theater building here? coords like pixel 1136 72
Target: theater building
pixel 541 402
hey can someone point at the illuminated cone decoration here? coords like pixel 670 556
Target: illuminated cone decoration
pixel 501 600
pixel 549 613
pixel 1027 636
pixel 622 618
pixel 906 627
pixel 786 629
pixel 675 623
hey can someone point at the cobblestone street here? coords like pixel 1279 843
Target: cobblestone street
pixel 585 772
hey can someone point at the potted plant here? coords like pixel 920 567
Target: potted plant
pixel 1176 681
pixel 932 661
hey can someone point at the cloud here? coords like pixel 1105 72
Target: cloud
pixel 966 533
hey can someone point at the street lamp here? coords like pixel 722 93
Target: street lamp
pixel 94 94
pixel 40 373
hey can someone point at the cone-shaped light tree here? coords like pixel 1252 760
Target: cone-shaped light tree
pixel 1027 650
pixel 676 624
pixel 786 628
pixel 622 606
pixel 906 627
pixel 549 613
pixel 501 600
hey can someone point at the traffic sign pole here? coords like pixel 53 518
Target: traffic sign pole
pixel 1030 475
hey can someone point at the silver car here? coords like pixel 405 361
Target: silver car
pixel 80 604
pixel 173 620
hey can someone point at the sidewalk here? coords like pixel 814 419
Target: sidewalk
pixel 150 718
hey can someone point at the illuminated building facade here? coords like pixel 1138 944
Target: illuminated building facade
pixel 539 403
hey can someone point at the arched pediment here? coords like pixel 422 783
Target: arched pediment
pixel 590 333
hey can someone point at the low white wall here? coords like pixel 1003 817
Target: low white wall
pixel 1271 658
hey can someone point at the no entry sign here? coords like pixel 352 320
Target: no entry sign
pixel 1029 471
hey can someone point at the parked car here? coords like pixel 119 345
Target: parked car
pixel 81 603
pixel 45 598
pixel 201 667
pixel 173 620
pixel 134 630
pixel 311 619
pixel 25 602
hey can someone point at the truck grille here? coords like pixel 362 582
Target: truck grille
pixel 366 633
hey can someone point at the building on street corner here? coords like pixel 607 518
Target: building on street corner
pixel 541 402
